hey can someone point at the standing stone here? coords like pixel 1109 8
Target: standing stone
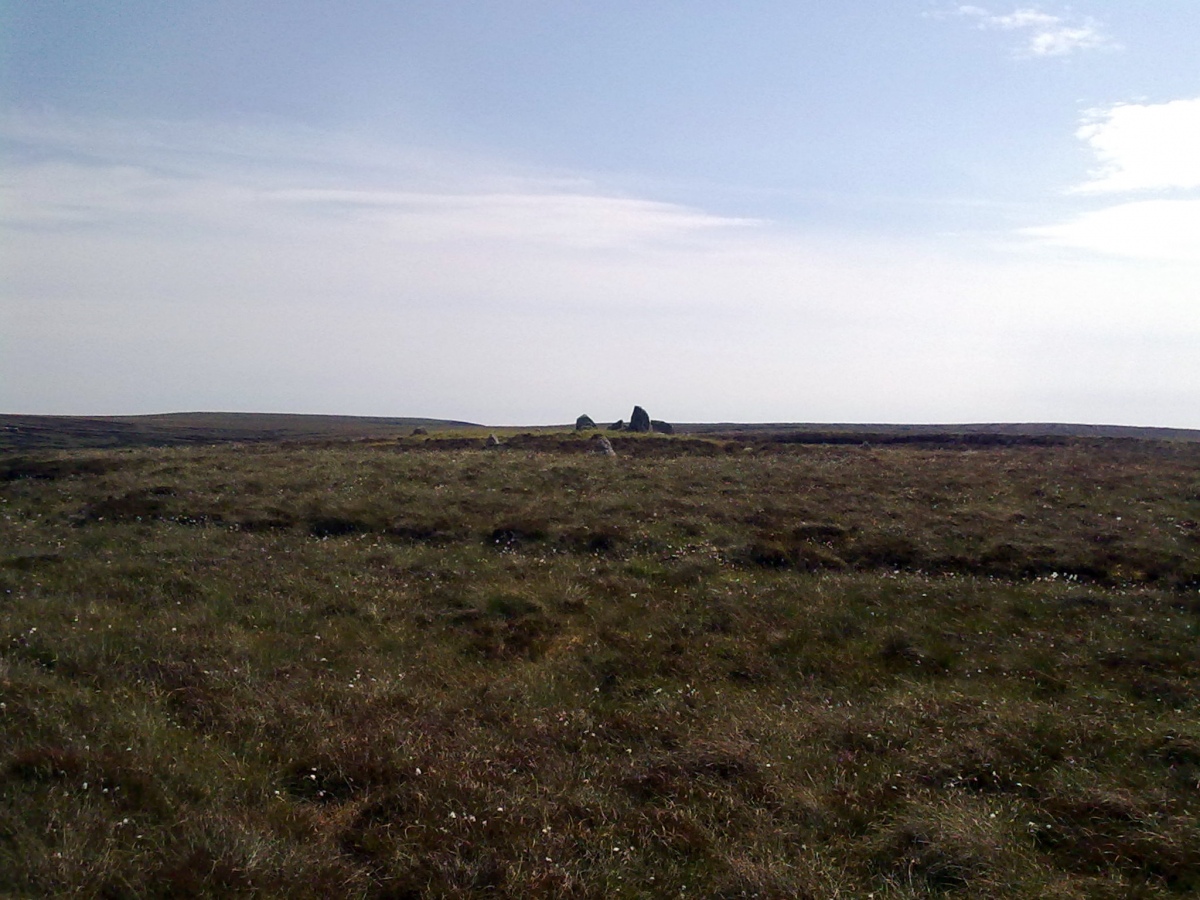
pixel 661 427
pixel 584 422
pixel 603 445
pixel 639 421
pixel 491 443
pixel 418 431
pixel 618 425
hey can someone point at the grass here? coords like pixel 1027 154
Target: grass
pixel 709 668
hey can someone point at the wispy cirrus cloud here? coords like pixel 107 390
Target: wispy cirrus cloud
pixel 79 174
pixel 1043 33
pixel 574 219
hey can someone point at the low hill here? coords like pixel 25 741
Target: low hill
pixel 19 432
pixel 824 433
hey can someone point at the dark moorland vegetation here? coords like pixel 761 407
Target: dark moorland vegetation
pixel 23 433
pixel 706 668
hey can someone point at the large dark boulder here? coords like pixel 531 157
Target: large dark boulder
pixel 584 422
pixel 639 421
pixel 661 427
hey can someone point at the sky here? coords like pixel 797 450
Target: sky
pixel 518 212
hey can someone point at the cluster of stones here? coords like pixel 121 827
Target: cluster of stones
pixel 639 422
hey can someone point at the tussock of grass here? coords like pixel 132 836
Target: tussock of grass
pixel 414 669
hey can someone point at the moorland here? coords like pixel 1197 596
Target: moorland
pixel 29 432
pixel 720 664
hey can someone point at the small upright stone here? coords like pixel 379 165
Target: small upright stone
pixel 604 446
pixel 584 422
pixel 639 421
pixel 492 442
pixel 418 431
pixel 618 425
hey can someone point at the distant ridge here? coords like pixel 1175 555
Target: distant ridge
pixel 20 432
pixel 30 432
pixel 1014 429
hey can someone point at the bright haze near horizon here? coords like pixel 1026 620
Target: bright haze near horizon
pixel 518 212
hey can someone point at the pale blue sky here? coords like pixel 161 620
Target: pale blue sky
pixel 517 212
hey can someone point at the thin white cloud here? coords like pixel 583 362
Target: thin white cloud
pixel 1044 34
pixel 1144 146
pixel 1162 230
pixel 566 219
pixel 1022 18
